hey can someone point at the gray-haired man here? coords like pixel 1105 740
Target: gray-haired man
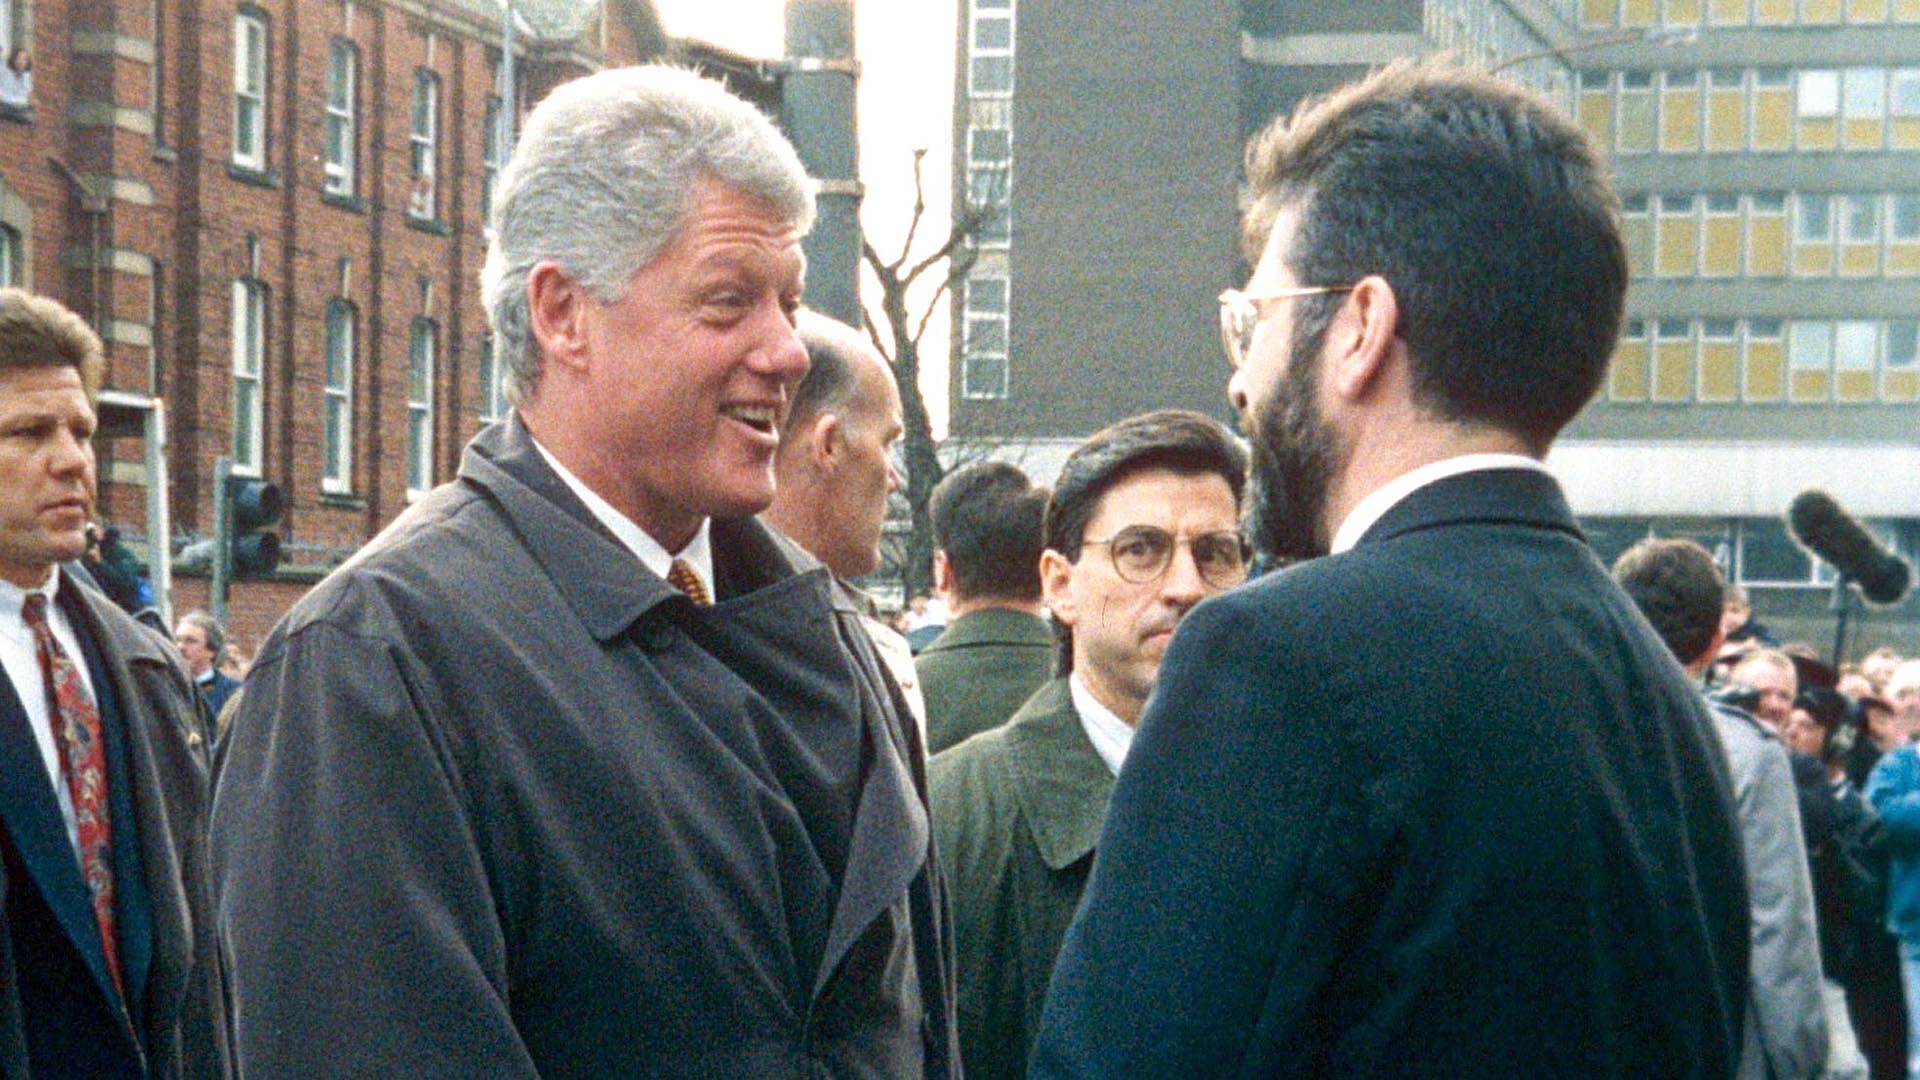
pixel 578 770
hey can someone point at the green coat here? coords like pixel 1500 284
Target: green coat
pixel 979 670
pixel 1016 814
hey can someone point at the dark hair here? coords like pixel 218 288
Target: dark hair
pixel 1678 588
pixel 986 518
pixel 1183 441
pixel 829 381
pixel 1488 213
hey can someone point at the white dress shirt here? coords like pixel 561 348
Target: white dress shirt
pixel 1388 495
pixel 698 553
pixel 22 660
pixel 1110 735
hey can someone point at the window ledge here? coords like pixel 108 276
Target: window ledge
pixel 353 204
pixel 434 226
pixel 254 177
pixel 342 500
pixel 163 152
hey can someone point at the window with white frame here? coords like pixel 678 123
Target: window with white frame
pixel 1856 344
pixel 337 451
pixel 490 144
pixel 343 117
pixel 250 90
pixel 983 373
pixel 1818 96
pixel 1906 217
pixel 1905 92
pixel 424 136
pixel 249 365
pixel 420 345
pixel 1903 345
pixel 13 258
pixel 1866 93
pixel 1859 218
pixel 1813 218
pixel 991 52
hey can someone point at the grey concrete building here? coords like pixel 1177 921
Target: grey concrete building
pixel 1766 151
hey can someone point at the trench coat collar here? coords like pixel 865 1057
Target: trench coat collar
pixel 608 589
pixel 1058 778
pixel 1487 496
pixel 992 626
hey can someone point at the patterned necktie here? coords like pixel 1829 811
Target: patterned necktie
pixel 682 576
pixel 83 758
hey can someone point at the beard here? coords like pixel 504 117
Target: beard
pixel 1295 456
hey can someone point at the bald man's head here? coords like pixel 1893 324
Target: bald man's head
pixel 834 469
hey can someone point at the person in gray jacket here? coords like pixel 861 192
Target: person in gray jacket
pixel 578 770
pixel 1790 1008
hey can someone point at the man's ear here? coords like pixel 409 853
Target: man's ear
pixel 1056 586
pixel 826 441
pixel 557 309
pixel 942 574
pixel 1365 338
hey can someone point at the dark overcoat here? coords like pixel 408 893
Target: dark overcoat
pixel 158 775
pixel 1439 806
pixel 498 802
pixel 980 669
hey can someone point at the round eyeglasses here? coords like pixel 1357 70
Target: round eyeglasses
pixel 1142 553
pixel 1240 314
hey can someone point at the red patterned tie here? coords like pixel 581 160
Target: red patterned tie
pixel 681 575
pixel 83 758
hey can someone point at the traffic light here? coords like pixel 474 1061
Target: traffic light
pixel 254 506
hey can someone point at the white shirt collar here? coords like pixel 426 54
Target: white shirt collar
pixel 1110 735
pixel 1385 497
pixel 698 553
pixel 13 598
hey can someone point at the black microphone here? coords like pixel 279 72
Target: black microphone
pixel 1825 528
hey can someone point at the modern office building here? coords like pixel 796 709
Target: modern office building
pixel 1766 150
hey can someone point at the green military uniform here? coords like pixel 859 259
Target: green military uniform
pixel 1016 814
pixel 979 670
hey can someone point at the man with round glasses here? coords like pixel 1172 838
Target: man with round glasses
pixel 1142 525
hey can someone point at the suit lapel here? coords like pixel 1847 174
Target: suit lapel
pixel 1059 779
pixel 164 951
pixel 32 816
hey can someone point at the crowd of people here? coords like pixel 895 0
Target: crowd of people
pixel 1333 752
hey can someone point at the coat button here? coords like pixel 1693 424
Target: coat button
pixel 656 638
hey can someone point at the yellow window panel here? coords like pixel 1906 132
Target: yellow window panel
pixel 1678 244
pixel 1673 370
pixel 1682 12
pixel 1854 386
pixel 1638 12
pixel 1866 10
pixel 1629 379
pixel 1774 12
pixel 1906 10
pixel 1719 371
pixel 1766 370
pixel 1722 255
pixel 1680 119
pixel 1772 119
pixel 1906 133
pixel 1596 115
pixel 1903 260
pixel 1819 11
pixel 1767 246
pixel 1819 133
pixel 1866 134
pixel 1859 260
pixel 1813 260
pixel 1726 120
pixel 1637 233
pixel 1812 386
pixel 1598 12
pixel 1730 12
pixel 1901 386
pixel 1636 121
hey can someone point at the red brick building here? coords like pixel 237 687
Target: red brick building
pixel 274 213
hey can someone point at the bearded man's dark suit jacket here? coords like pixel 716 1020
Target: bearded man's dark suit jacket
pixel 59 1014
pixel 1440 806
pixel 499 802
